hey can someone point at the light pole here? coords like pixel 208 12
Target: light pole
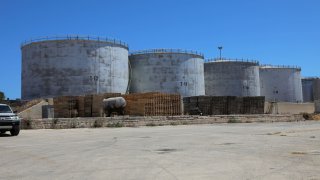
pixel 220 49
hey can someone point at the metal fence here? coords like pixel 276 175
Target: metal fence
pixel 231 60
pixel 76 37
pixel 280 66
pixel 150 51
pixel 310 78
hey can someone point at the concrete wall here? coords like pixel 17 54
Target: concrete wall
pixel 281 84
pixel 307 89
pixel 168 72
pixel 232 78
pixel 73 67
pixel 317 106
pixel 290 108
pixel 34 112
pixel 127 121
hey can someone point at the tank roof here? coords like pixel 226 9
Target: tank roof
pixel 232 60
pixel 75 37
pixel 181 51
pixel 268 66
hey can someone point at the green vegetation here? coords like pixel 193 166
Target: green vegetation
pixel 97 124
pixel 307 116
pixel 233 120
pixel 2 96
pixel 115 125
pixel 173 123
pixel 150 124
pixel 27 123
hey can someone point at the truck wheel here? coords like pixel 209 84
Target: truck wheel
pixel 15 130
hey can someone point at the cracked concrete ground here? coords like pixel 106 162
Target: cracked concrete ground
pixel 218 151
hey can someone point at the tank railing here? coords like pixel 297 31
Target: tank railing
pixel 232 60
pixel 76 37
pixel 311 77
pixel 149 51
pixel 280 66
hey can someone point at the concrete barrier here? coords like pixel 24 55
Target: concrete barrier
pixel 289 108
pixel 129 121
pixel 317 106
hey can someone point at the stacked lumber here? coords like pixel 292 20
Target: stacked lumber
pixel 218 105
pixel 66 106
pixel 80 106
pixel 97 103
pixel 139 104
pixel 153 104
pixel 253 105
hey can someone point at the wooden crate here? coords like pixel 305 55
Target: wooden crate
pixel 153 104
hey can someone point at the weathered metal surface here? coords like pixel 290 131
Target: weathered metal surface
pixel 281 84
pixel 168 72
pixel 316 89
pixel 73 67
pixel 232 78
pixel 307 89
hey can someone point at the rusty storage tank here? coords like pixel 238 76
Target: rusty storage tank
pixel 281 83
pixel 73 65
pixel 232 77
pixel 307 88
pixel 167 70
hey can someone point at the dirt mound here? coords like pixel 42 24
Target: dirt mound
pixel 316 117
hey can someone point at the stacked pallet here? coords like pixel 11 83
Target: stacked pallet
pixel 153 104
pixel 91 105
pixel 66 106
pixel 80 106
pixel 218 105
pixel 253 105
pixel 97 103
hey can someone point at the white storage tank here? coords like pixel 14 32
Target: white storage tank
pixel 281 83
pixel 232 77
pixel 167 70
pixel 63 66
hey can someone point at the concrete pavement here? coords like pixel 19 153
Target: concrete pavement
pixel 217 151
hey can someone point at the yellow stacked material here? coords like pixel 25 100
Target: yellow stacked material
pixel 66 106
pixel 316 117
pixel 26 105
pixel 97 103
pixel 153 104
pixel 92 104
pixel 139 104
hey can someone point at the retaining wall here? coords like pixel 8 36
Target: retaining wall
pixel 127 121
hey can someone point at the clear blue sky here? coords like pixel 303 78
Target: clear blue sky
pixel 272 31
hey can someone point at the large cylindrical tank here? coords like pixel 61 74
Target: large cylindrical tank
pixel 307 89
pixel 167 70
pixel 281 83
pixel 316 89
pixel 73 66
pixel 232 78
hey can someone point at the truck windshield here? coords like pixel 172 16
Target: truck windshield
pixel 5 109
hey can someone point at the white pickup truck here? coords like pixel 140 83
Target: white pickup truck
pixel 9 121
